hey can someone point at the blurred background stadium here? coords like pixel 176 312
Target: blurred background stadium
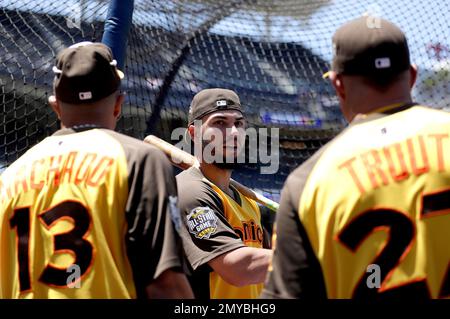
pixel 272 53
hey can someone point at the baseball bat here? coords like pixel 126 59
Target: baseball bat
pixel 185 160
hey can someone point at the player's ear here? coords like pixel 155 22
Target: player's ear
pixel 54 104
pixel 191 131
pixel 338 84
pixel 412 75
pixel 118 105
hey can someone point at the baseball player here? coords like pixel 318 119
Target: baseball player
pixel 88 212
pixel 223 236
pixel 368 215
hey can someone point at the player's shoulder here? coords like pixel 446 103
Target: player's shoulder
pixel 420 114
pixel 428 108
pixel 435 113
pixel 25 159
pixel 192 182
pixel 193 190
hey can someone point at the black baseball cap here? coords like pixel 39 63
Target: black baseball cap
pixel 369 46
pixel 211 100
pixel 85 72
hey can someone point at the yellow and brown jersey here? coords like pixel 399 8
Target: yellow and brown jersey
pixel 368 215
pixel 87 214
pixel 216 224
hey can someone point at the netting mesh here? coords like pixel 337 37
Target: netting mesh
pixel 272 53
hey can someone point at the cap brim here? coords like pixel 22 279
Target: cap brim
pixel 326 75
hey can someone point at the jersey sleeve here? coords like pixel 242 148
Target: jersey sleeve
pixel 153 217
pixel 295 271
pixel 206 232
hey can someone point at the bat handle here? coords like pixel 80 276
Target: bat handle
pixel 255 196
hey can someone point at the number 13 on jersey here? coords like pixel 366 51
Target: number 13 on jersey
pixel 72 242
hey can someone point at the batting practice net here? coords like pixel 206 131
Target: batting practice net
pixel 272 53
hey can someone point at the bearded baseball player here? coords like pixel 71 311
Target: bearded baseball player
pixel 224 239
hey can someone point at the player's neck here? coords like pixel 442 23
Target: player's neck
pixel 219 176
pixel 376 102
pixel 96 123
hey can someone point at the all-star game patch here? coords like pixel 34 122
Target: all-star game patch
pixel 202 222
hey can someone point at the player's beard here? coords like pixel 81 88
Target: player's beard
pixel 226 162
pixel 228 166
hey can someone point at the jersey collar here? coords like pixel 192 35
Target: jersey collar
pixel 393 108
pixel 76 129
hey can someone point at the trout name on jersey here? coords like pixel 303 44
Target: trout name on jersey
pixel 202 222
pixel 397 162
